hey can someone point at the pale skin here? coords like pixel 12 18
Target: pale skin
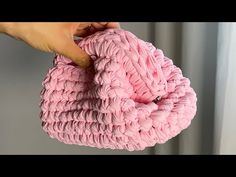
pixel 56 37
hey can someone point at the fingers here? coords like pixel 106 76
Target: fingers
pixel 99 26
pixel 81 33
pixel 67 47
pixel 104 25
pixel 113 25
pixel 110 24
pixel 70 50
pixel 87 29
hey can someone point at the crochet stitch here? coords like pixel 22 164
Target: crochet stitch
pixel 131 97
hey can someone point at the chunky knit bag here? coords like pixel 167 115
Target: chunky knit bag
pixel 131 97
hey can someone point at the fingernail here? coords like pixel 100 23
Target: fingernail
pixel 84 62
pixel 103 23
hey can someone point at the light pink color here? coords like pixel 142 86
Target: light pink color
pixel 132 97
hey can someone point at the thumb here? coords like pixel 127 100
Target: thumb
pixel 70 50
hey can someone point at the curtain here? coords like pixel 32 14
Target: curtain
pixel 225 112
pixel 193 47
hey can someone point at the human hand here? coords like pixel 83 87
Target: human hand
pixel 56 37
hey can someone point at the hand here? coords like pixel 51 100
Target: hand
pixel 56 37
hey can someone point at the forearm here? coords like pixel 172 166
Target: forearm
pixel 6 27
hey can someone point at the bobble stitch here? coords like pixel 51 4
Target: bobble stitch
pixel 132 97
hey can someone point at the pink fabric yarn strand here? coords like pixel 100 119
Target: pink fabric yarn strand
pixel 113 104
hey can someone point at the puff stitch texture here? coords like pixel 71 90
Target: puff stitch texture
pixel 131 97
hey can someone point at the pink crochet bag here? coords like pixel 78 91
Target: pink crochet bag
pixel 131 97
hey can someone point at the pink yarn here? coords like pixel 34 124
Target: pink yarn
pixel 132 97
